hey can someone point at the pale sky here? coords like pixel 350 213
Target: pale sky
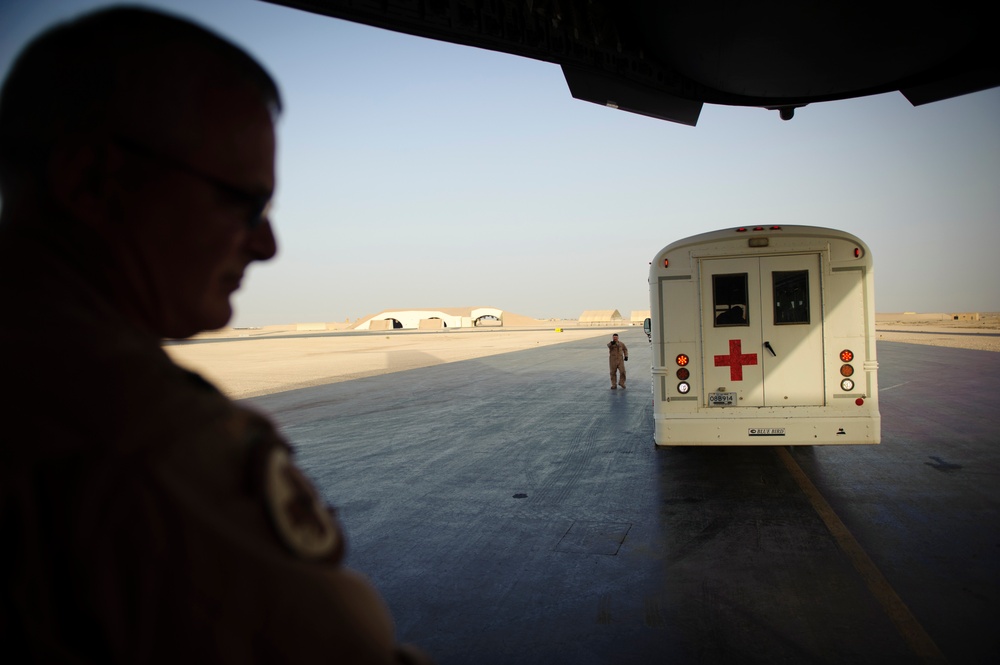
pixel 418 174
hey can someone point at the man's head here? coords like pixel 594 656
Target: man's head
pixel 614 338
pixel 156 137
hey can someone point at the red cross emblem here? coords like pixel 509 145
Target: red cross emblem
pixel 736 360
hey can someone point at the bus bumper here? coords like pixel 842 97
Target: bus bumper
pixel 767 431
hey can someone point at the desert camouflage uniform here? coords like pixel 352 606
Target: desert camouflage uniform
pixel 618 352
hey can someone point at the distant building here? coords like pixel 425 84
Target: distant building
pixel 638 316
pixel 601 317
pixel 440 319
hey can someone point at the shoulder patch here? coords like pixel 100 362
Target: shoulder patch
pixel 299 515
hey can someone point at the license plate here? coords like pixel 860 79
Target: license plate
pixel 722 399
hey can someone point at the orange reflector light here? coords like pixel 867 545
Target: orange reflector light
pixel 683 360
pixel 846 356
pixel 846 370
pixel 683 374
pixel 666 263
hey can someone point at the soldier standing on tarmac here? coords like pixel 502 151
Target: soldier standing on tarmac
pixel 618 354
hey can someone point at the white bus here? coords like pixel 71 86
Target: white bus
pixel 764 336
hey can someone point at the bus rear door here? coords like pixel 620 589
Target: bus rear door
pixel 762 331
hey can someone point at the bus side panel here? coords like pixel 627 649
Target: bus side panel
pixel 850 326
pixel 677 321
pixel 676 331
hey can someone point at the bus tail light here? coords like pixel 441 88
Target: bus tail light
pixel 846 370
pixel 683 373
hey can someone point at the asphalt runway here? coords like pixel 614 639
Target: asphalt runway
pixel 512 509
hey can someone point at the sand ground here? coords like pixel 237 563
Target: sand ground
pixel 283 359
pixel 983 334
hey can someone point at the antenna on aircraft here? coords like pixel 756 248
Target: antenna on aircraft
pixel 785 112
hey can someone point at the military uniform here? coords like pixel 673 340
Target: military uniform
pixel 146 517
pixel 617 355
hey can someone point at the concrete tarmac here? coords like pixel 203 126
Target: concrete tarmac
pixel 512 509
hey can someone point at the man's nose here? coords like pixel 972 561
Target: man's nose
pixel 261 242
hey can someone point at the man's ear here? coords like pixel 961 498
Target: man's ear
pixel 80 175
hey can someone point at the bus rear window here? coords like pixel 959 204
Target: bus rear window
pixel 729 294
pixel 791 297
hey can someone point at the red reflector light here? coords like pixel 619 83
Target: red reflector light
pixel 742 229
pixel 683 374
pixel 846 356
pixel 859 401
pixel 758 228
pixel 775 228
pixel 683 360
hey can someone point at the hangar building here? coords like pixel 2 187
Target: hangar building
pixel 433 319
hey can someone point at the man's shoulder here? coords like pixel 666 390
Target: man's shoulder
pixel 89 385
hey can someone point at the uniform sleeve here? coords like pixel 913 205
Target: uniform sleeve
pixel 218 547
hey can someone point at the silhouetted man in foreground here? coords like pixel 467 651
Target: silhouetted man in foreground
pixel 145 517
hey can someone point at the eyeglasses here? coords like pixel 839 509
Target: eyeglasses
pixel 258 204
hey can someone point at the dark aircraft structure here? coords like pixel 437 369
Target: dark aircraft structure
pixel 666 59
